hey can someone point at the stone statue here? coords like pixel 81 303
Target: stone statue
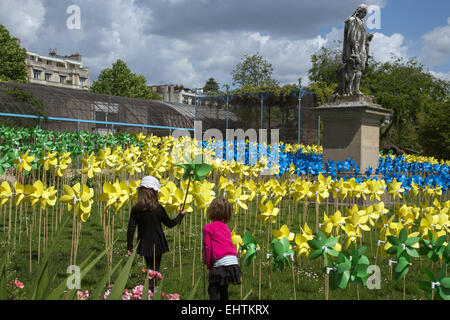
pixel 355 54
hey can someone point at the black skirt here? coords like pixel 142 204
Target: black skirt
pixel 225 275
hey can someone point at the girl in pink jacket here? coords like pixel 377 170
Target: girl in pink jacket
pixel 219 252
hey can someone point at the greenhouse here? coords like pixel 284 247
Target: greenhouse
pixel 64 109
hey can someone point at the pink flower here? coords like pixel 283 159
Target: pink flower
pixel 127 295
pixel 83 295
pixel 173 296
pixel 106 295
pixel 154 274
pixel 19 284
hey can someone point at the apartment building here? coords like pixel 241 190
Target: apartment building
pixel 58 71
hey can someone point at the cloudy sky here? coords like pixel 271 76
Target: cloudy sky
pixel 188 41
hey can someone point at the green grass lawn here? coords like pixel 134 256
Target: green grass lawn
pixel 308 275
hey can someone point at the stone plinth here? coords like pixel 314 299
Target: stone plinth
pixel 351 128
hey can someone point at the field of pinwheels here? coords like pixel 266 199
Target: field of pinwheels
pixel 312 230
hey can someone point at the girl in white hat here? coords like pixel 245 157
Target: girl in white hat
pixel 148 215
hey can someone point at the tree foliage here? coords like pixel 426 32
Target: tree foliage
pixel 120 81
pixel 211 85
pixel 12 58
pixel 253 73
pixel 433 132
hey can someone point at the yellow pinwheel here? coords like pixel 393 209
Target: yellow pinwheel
pixel 79 199
pixel 268 212
pixel 111 194
pixel 336 222
pixel 62 164
pixel 395 189
pixel 319 192
pixel 339 189
pixel 351 234
pixel 372 215
pixel 90 165
pixel 237 198
pixel 132 167
pixel 48 160
pixel 105 158
pixel 283 232
pixel 24 161
pixel 19 190
pixel 406 216
pixel 133 185
pixel 5 193
pixel 301 245
pixel 173 198
pixel 375 188
pixel 236 240
pixel 39 194
pixel 379 208
pixel 357 219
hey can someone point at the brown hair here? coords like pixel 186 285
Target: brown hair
pixel 147 199
pixel 219 210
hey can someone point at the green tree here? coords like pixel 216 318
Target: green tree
pixel 12 58
pixel 253 73
pixel 434 131
pixel 120 81
pixel 211 85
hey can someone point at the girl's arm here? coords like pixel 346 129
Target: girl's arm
pixel 130 231
pixel 170 223
pixel 207 249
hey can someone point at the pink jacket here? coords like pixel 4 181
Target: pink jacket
pixel 217 242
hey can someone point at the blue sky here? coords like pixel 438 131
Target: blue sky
pixel 188 41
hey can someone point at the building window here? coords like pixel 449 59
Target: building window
pixel 48 76
pixel 49 62
pixel 62 79
pixel 108 112
pixel 83 82
pixel 36 74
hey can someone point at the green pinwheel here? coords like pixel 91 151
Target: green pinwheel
pixel 433 248
pixel 402 248
pixel 193 170
pixel 340 272
pixel 280 252
pixel 249 248
pixel 349 268
pixel 359 265
pixel 4 164
pixel 439 283
pixel 322 247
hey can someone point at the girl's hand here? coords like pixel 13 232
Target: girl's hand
pixel 183 212
pixel 130 252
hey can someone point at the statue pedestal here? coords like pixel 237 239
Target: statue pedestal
pixel 351 128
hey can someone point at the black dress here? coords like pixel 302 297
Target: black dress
pixel 150 234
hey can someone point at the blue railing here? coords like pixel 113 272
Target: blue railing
pixel 91 121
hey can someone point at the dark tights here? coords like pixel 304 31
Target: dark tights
pixel 155 267
pixel 217 292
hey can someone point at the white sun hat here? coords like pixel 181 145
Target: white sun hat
pixel 150 182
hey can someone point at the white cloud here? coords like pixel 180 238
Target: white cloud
pixel 383 47
pixel 436 46
pixel 22 18
pixel 441 75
